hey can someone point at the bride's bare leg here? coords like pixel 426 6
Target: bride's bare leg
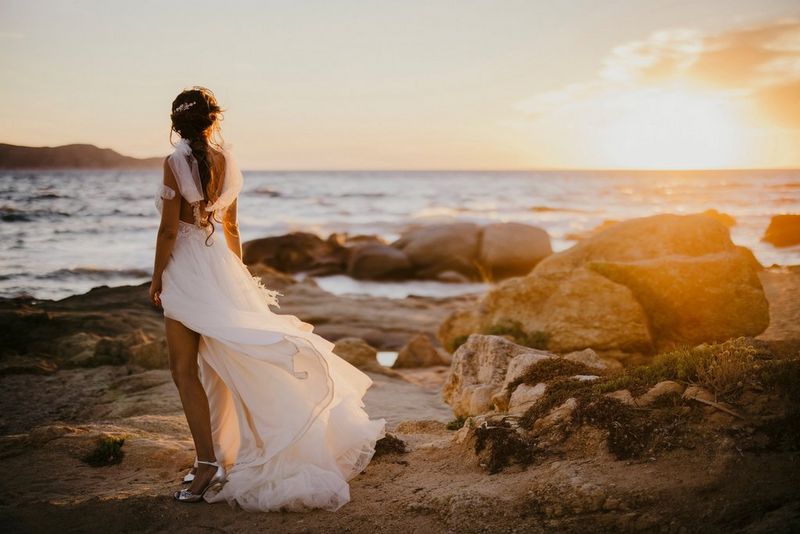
pixel 183 345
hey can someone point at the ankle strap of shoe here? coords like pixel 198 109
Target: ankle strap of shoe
pixel 209 463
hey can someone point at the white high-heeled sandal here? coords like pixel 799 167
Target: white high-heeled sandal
pixel 187 479
pixel 185 495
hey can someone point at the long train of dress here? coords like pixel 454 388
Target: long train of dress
pixel 287 414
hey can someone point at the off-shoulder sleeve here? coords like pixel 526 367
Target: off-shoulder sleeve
pixel 166 192
pixel 163 192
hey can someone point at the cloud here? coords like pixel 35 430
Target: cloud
pixel 758 64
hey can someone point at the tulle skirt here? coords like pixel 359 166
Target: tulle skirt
pixel 287 414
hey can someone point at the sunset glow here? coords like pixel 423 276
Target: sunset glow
pixel 417 85
pixel 671 129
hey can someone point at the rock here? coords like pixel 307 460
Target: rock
pixel 297 251
pixel 359 239
pixel 558 415
pixel 698 392
pixel 524 397
pixel 583 310
pixel 452 277
pixel 622 395
pixel 360 354
pixel 479 399
pixel 383 322
pixel 635 287
pixel 45 328
pixel 18 365
pixel 271 277
pixel 783 230
pixel 437 248
pixel 589 358
pixel 723 218
pixel 76 349
pixel 578 236
pixel 748 255
pixel 516 368
pixel 377 261
pixel 457 326
pixel 512 249
pixel 664 387
pixel 478 372
pixel 585 378
pixel 117 350
pixel 420 352
pixel 522 362
pixel 151 354
pixel 691 300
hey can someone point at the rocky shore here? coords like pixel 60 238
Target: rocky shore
pixel 643 380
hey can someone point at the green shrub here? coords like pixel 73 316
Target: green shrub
pixel 723 368
pixel 108 451
pixel 456 423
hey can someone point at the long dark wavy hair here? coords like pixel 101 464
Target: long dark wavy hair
pixel 196 117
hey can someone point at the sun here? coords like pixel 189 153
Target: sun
pixel 670 128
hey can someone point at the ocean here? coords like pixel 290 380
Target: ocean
pixel 64 232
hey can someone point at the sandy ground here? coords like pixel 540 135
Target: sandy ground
pixel 50 422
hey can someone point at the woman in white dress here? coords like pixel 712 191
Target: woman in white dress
pixel 276 417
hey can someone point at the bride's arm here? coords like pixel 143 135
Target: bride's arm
pixel 167 233
pixel 230 224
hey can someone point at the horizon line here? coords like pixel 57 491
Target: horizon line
pixel 442 169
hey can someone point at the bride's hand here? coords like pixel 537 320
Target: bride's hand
pixel 155 293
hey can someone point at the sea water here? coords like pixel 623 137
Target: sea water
pixel 64 232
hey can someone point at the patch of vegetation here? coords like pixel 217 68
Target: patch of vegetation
pixel 389 444
pixel 726 369
pixel 558 390
pixel 504 444
pixel 535 340
pixel 108 452
pixel 456 423
pixel 723 368
pixel 548 369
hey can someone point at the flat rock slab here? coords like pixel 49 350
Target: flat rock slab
pixel 400 400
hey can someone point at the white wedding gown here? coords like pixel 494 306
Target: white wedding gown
pixel 287 414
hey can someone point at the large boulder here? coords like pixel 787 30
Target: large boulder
pixel 436 248
pixel 783 230
pixel 478 372
pixel 457 326
pixel 636 287
pixel 512 249
pixel 693 300
pixel 377 261
pixel 297 251
pixel 575 311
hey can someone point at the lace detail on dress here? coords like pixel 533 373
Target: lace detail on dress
pixel 270 295
pixel 192 231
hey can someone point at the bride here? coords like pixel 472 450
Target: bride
pixel 276 417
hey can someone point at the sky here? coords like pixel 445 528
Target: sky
pixel 462 84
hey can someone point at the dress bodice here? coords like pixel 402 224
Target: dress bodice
pixel 184 167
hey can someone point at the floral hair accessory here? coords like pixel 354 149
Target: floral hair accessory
pixel 184 106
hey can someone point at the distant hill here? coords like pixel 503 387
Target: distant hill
pixel 79 156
